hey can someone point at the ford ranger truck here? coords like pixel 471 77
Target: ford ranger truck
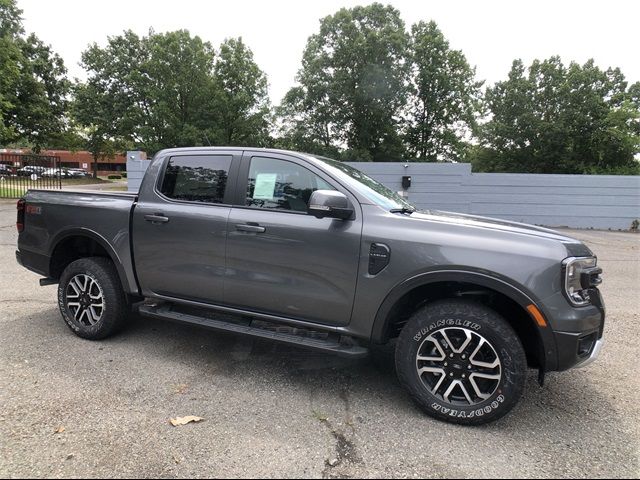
pixel 249 241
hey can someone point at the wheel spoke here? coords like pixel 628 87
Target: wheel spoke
pixel 478 363
pixel 431 370
pixel 75 289
pixel 435 389
pixel 474 384
pixel 95 317
pixel 466 393
pixel 484 375
pixel 441 353
pixel 452 387
pixel 78 284
pixel 466 342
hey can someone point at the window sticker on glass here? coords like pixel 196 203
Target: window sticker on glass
pixel 265 186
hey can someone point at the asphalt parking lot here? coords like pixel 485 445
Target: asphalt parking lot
pixel 74 408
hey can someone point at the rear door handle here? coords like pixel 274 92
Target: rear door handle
pixel 252 228
pixel 156 218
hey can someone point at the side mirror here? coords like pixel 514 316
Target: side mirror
pixel 330 204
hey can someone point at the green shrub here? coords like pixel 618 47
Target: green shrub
pixel 114 177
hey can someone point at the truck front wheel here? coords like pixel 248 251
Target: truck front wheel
pixel 91 299
pixel 461 362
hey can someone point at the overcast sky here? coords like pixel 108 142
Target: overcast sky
pixel 490 33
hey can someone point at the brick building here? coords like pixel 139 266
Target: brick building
pixel 84 160
pixel 80 159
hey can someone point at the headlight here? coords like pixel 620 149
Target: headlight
pixel 581 274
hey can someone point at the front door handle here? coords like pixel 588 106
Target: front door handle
pixel 156 218
pixel 252 228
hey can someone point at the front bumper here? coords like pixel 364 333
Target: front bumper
pixel 594 354
pixel 577 349
pixel 578 332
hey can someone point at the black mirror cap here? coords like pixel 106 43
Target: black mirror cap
pixel 330 204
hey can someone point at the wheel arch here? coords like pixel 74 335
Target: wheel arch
pixel 433 285
pixel 76 243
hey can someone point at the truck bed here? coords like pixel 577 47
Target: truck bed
pixel 55 216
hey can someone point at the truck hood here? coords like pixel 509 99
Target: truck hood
pixel 574 247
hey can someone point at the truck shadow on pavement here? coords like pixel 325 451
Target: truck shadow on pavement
pixel 218 353
pixel 572 412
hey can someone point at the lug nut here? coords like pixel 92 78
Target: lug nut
pixel 464 376
pixel 464 357
pixel 446 364
pixel 451 374
pixel 469 367
pixel 451 356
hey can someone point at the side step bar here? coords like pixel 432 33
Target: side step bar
pixel 329 345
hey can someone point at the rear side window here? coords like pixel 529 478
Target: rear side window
pixel 197 178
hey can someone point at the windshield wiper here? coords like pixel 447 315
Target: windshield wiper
pixel 403 210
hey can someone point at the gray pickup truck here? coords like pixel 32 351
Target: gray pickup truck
pixel 251 241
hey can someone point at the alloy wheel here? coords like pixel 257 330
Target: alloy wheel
pixel 459 366
pixel 85 299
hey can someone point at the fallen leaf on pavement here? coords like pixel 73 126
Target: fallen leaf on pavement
pixel 59 430
pixel 184 420
pixel 180 389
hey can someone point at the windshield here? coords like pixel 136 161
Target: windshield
pixel 367 186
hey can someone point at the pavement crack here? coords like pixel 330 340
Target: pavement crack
pixel 346 451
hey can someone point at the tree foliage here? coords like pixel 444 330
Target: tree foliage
pixel 171 90
pixel 241 103
pixel 352 85
pixel 444 99
pixel 368 88
pixel 552 118
pixel 33 84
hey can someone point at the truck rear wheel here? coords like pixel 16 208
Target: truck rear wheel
pixel 91 299
pixel 461 362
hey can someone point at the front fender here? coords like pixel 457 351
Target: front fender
pixel 490 280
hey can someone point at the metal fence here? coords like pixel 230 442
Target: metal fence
pixel 20 172
pixel 579 201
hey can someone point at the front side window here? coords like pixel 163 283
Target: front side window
pixel 281 185
pixel 197 178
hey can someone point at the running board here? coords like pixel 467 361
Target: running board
pixel 329 345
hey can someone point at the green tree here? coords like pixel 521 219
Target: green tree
pixel 179 89
pixel 241 108
pixel 445 97
pixel 33 85
pixel 550 118
pixel 170 90
pixel 352 85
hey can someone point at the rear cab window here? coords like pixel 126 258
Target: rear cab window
pixel 196 178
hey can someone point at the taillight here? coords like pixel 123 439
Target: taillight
pixel 20 221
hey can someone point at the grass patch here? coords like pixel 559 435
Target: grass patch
pixel 11 191
pixel 84 181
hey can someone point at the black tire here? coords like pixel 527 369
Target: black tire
pixel 104 278
pixel 459 320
